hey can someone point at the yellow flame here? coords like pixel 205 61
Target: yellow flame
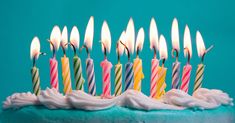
pixel 130 36
pixel 35 48
pixel 163 47
pixel 55 37
pixel 106 37
pixel 187 42
pixel 75 37
pixel 140 39
pixel 153 34
pixel 122 38
pixel 201 49
pixel 88 40
pixel 175 34
pixel 64 37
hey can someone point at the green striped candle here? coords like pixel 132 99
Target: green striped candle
pixel 79 80
pixel 118 79
pixel 35 80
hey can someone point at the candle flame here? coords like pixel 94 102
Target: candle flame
pixel 163 47
pixel 75 37
pixel 153 35
pixel 140 39
pixel 64 38
pixel 130 36
pixel 88 40
pixel 55 37
pixel 35 48
pixel 201 49
pixel 120 48
pixel 187 42
pixel 106 37
pixel 175 35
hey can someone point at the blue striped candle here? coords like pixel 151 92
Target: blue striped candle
pixel 176 75
pixel 90 76
pixel 129 74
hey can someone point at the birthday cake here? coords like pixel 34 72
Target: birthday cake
pixel 131 105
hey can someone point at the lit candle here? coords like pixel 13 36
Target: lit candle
pixel 187 53
pixel 77 66
pixel 118 66
pixel 89 61
pixel 54 45
pixel 129 46
pixel 161 84
pixel 34 54
pixel 138 73
pixel 105 64
pixel 65 62
pixel 153 36
pixel 201 49
pixel 176 48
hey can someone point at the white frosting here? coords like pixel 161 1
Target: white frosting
pixel 81 100
pixel 52 99
pixel 137 100
pixel 173 100
pixel 18 100
pixel 202 98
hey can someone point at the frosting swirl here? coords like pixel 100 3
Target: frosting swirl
pixel 18 100
pixel 52 99
pixel 201 99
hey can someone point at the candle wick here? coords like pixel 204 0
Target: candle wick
pixel 155 52
pixel 34 61
pixel 128 52
pixel 117 46
pixel 137 52
pixel 53 48
pixel 105 50
pixel 176 55
pixel 203 56
pixel 64 52
pixel 188 54
pixel 74 48
pixel 163 62
pixel 87 50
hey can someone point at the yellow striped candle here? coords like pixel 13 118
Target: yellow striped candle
pixel 66 75
pixel 199 77
pixel 161 84
pixel 138 74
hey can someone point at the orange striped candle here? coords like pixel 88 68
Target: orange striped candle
pixel 66 75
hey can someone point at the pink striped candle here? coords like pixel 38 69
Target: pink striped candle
pixel 186 77
pixel 106 68
pixel 54 73
pixel 154 73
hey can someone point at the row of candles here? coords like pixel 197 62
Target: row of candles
pixel 133 71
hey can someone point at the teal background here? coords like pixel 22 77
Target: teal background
pixel 20 21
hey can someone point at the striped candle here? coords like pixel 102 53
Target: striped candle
pixel 138 74
pixel 54 81
pixel 106 77
pixel 118 79
pixel 90 76
pixel 186 77
pixel 154 73
pixel 35 80
pixel 176 75
pixel 66 75
pixel 129 76
pixel 199 77
pixel 161 84
pixel 78 77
